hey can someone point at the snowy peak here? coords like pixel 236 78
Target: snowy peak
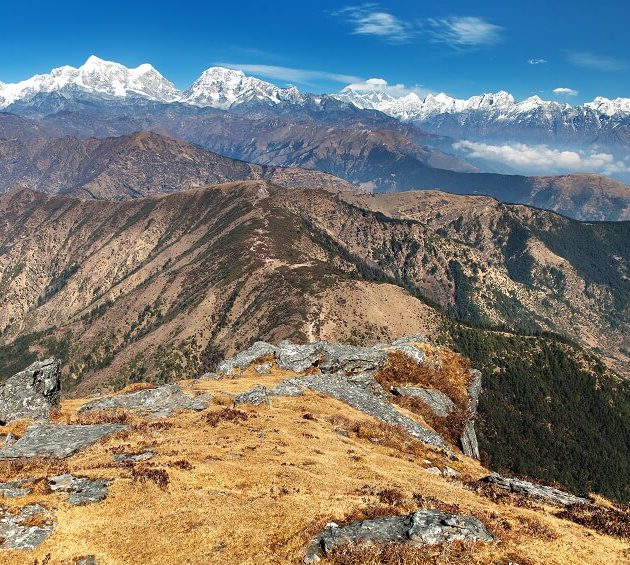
pixel 97 77
pixel 495 106
pixel 218 87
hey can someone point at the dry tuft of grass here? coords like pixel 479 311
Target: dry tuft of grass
pixel 226 415
pixel 609 521
pixel 450 375
pixel 145 474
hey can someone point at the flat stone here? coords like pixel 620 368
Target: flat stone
pixel 548 494
pixel 133 457
pixel 261 394
pixel 31 393
pixel 424 527
pixel 440 403
pixel 83 490
pixel 15 489
pixel 298 358
pixel 244 359
pixel 15 534
pixel 160 402
pixel 86 560
pixel 356 396
pixel 57 440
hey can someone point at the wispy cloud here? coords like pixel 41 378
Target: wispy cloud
pixel 395 90
pixel 370 19
pixel 465 31
pixel 535 159
pixel 564 91
pixel 290 74
pixel 596 62
pixel 537 61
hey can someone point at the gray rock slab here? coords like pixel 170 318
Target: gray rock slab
pixel 261 394
pixel 160 402
pixel 545 493
pixel 83 490
pixel 31 393
pixel 86 560
pixel 341 388
pixel 133 457
pixel 245 358
pixel 57 440
pixel 16 535
pixel 351 359
pixel 264 368
pixel 15 489
pixel 424 527
pixel 440 403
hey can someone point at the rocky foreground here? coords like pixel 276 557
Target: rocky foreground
pixel 289 453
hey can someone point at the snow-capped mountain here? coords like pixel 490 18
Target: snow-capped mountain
pixel 95 77
pixel 499 115
pixel 218 87
pixel 487 116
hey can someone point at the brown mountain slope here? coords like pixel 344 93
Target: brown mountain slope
pixel 157 285
pixel 136 165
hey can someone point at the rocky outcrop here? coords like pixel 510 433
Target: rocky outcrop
pixel 31 393
pixel 424 527
pixel 83 490
pixel 57 440
pixel 541 492
pixel 159 402
pixel 245 358
pixel 440 403
pixel 365 401
pixel 26 528
pixel 328 357
pixel 468 439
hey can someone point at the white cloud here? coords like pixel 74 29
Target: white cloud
pixel 596 62
pixel 395 90
pixel 370 19
pixel 537 61
pixel 564 91
pixel 466 31
pixel 542 159
pixel 289 74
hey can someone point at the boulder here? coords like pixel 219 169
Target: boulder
pixel 545 493
pixel 244 359
pixel 351 359
pixel 298 358
pixel 26 528
pixel 468 439
pixel 440 403
pixel 57 440
pixel 160 402
pixel 83 490
pixel 424 527
pixel 32 392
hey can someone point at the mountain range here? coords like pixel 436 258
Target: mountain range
pixel 486 116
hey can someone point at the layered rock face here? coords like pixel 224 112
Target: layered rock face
pixel 31 393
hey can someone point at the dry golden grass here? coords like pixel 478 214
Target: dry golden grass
pixel 256 490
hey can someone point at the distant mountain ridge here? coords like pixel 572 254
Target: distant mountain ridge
pixel 131 166
pixel 490 115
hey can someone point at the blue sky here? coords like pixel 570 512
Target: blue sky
pixel 462 48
